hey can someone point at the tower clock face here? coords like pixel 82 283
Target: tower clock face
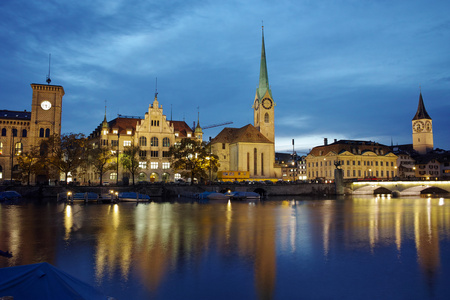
pixel 256 105
pixel 267 103
pixel 46 105
pixel 418 126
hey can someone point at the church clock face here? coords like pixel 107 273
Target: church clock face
pixel 428 126
pixel 267 103
pixel 46 105
pixel 256 105
pixel 418 126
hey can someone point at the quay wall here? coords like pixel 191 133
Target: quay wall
pixel 174 190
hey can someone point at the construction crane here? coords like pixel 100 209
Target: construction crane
pixel 216 125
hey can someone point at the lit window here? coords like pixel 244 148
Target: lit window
pixel 129 131
pixel 177 176
pixel 115 131
pixel 113 176
pixel 143 164
pixel 154 165
pixel 166 165
pixel 126 143
pixel 188 135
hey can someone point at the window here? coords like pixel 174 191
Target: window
pixel 24 133
pixel 262 164
pixel 113 176
pixel 166 165
pixel 126 143
pixel 41 132
pixel 14 132
pixel 166 154
pixel 255 161
pixel 154 141
pixel 47 132
pixel 223 145
pixel 142 153
pixel 4 132
pixel 114 143
pixel 1 148
pixel 166 142
pixel 155 123
pixel 143 164
pixel 154 165
pixel 177 176
pixel 266 118
pixel 154 153
pixel 18 148
pixel 142 141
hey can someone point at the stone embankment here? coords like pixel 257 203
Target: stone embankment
pixel 174 190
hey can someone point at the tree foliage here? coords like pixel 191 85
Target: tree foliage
pixel 130 160
pixel 30 163
pixel 64 152
pixel 100 158
pixel 193 159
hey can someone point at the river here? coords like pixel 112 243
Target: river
pixel 280 248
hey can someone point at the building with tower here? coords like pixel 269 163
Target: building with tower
pixel 251 149
pixel 154 135
pixel 22 130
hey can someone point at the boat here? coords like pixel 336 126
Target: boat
pixel 217 196
pixel 133 197
pixel 9 195
pixel 245 196
pixel 88 196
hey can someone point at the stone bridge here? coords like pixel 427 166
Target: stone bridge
pixel 399 188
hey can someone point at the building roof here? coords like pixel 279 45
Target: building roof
pixel 16 115
pixel 421 111
pixel 246 134
pixel 181 128
pixel 350 146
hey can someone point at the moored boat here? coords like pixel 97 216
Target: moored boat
pixel 133 197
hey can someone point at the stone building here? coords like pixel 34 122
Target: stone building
pixel 358 159
pixel 251 148
pixel 21 130
pixel 153 133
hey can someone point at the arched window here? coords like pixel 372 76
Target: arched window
pixel 14 132
pixel 24 133
pixel 142 141
pixel 262 164
pixel 154 142
pixel 266 118
pixel 1 148
pixel 166 142
pixel 18 148
pixel 47 132
pixel 1 172
pixel 41 132
pixel 3 131
pixel 43 150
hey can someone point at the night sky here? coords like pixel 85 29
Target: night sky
pixel 337 69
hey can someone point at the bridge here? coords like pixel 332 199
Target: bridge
pixel 399 188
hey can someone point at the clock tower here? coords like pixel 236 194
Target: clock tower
pixel 263 105
pixel 422 128
pixel 46 107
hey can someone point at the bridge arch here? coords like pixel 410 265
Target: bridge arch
pixel 371 190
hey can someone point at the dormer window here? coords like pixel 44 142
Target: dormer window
pixel 176 134
pixel 129 131
pixel 105 132
pixel 115 131
pixel 188 135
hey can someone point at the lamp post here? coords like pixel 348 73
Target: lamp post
pixel 13 134
pixel 117 177
pixel 209 160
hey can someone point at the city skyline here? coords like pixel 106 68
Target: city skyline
pixel 338 71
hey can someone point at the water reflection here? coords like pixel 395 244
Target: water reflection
pixel 158 244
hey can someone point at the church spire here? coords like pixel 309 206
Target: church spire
pixel 263 75
pixel 421 111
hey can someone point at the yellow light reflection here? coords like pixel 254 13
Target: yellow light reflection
pixel 68 221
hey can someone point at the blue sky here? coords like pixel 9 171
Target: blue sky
pixel 337 69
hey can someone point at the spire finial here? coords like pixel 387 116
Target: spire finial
pixel 48 76
pixel 156 88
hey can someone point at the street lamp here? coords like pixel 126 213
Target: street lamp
pixel 117 174
pixel 209 160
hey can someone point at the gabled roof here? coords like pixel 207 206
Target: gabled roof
pixel 421 111
pixel 181 128
pixel 246 134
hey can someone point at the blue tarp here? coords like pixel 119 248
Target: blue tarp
pixel 44 281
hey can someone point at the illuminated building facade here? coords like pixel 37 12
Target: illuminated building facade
pixel 358 159
pixel 251 148
pixel 154 135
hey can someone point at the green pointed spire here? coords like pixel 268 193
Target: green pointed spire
pixel 263 74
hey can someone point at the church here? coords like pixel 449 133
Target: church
pixel 249 152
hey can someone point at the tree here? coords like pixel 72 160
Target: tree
pixel 30 163
pixel 193 159
pixel 100 159
pixel 65 152
pixel 130 160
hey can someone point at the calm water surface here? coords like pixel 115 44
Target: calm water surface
pixel 353 248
